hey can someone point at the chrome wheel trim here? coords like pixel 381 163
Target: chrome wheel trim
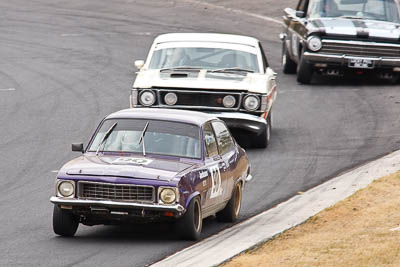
pixel 197 216
pixel 238 199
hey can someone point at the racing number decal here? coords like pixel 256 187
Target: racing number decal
pixel 216 183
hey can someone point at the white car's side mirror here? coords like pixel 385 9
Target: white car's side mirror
pixel 139 64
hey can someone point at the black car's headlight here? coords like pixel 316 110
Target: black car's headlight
pixel 251 102
pixel 65 188
pixel 167 195
pixel 147 98
pixel 314 43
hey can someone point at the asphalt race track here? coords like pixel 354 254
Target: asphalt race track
pixel 64 65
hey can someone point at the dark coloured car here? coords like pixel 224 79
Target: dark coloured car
pixel 152 165
pixel 333 37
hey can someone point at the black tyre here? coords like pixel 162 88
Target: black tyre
pixel 289 66
pixel 64 222
pixel 304 71
pixel 190 224
pixel 231 212
pixel 394 79
pixel 262 140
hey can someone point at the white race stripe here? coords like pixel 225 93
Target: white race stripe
pixel 383 30
pixel 339 26
pixel 7 89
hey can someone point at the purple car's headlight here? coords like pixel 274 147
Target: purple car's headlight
pixel 167 195
pixel 65 188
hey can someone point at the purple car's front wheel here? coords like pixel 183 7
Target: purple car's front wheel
pixel 190 225
pixel 64 222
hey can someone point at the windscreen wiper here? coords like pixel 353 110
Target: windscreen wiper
pixel 182 68
pixel 141 140
pixel 106 135
pixel 351 17
pixel 232 70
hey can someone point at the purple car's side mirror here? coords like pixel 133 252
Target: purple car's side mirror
pixel 77 147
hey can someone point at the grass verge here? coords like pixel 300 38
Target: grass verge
pixel 362 230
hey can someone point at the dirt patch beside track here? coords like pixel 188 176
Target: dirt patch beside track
pixel 362 230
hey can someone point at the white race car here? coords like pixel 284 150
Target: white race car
pixel 227 75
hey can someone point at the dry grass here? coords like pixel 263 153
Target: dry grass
pixel 358 231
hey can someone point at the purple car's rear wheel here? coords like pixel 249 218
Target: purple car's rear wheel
pixel 231 212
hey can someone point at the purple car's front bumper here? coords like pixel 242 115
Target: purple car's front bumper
pixel 115 204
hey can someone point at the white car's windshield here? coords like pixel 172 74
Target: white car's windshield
pixel 204 58
pixel 385 10
pixel 161 137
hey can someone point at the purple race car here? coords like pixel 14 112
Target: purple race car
pixel 145 165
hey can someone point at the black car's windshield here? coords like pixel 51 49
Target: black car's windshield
pixel 163 138
pixel 384 10
pixel 196 58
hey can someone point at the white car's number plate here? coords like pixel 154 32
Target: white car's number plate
pixel 361 63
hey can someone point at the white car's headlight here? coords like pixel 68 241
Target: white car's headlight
pixel 66 188
pixel 229 101
pixel 251 102
pixel 171 99
pixel 167 195
pixel 314 43
pixel 147 98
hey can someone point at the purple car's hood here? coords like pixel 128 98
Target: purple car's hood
pixel 123 166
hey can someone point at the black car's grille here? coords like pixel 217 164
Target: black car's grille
pixel 201 99
pixel 358 48
pixel 116 192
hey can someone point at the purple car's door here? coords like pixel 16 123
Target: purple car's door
pixel 228 154
pixel 214 164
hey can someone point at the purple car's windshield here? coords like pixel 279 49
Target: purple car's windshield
pixel 161 137
pixel 385 10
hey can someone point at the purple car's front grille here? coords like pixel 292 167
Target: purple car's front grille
pixel 115 192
